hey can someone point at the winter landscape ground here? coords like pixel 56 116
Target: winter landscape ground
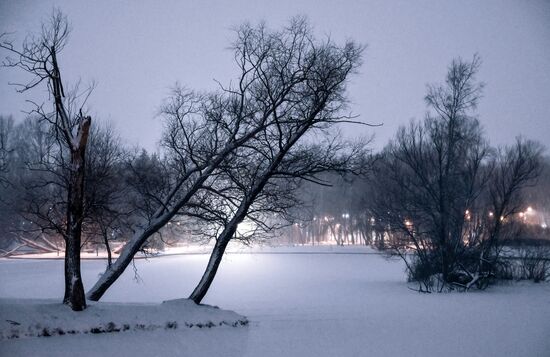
pixel 303 301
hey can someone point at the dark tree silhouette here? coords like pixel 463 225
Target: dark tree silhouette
pixel 269 167
pixel 438 180
pixel 38 56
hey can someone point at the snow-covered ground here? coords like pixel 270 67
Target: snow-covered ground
pixel 298 305
pixel 23 318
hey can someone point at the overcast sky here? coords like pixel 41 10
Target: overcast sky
pixel 136 50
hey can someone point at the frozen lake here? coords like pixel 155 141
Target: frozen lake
pixel 298 305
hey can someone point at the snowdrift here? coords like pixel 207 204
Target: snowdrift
pixel 43 318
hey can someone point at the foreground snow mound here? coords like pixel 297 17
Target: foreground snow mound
pixel 43 318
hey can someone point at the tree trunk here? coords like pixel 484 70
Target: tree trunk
pixel 107 247
pixel 127 254
pixel 221 243
pixel 223 239
pixel 74 289
pixel 211 269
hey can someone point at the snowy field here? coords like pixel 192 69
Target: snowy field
pixel 298 305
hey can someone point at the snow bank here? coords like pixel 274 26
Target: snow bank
pixel 44 318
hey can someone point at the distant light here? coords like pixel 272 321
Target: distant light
pixel 491 214
pixel 529 209
pixel 544 226
pixel 467 212
pixel 521 214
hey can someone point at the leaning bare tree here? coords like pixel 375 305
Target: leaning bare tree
pixel 208 135
pixel 38 56
pixel 265 172
pixel 203 131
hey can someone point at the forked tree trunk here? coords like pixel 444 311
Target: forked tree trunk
pixel 74 289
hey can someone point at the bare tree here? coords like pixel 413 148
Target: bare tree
pixel 280 75
pixel 201 140
pixel 38 56
pixel 202 130
pixel 444 194
pixel 276 153
pixel 435 173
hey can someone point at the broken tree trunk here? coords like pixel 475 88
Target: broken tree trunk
pixel 74 289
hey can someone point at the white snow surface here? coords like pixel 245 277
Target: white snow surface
pixel 298 304
pixel 44 318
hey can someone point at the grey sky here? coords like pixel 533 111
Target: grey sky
pixel 136 50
